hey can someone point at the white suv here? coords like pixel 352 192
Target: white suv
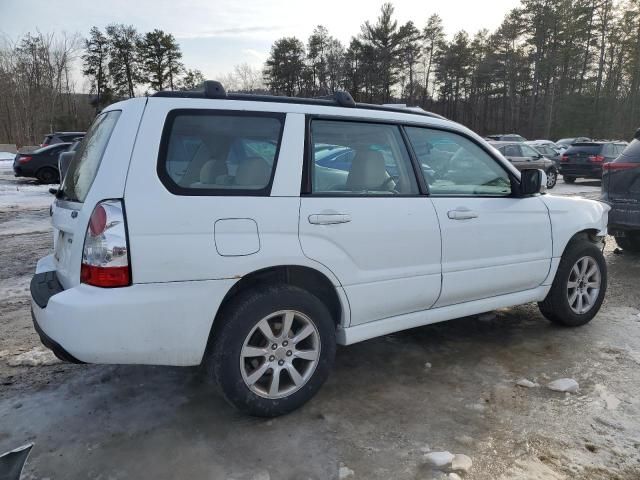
pixel 254 233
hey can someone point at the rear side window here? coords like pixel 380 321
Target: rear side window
pixel 358 158
pixel 631 154
pixel 84 166
pixel 212 152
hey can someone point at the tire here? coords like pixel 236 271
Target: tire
pixel 552 178
pixel 631 242
pixel 556 306
pixel 47 175
pixel 239 332
pixel 568 179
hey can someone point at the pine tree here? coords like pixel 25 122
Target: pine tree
pixel 95 61
pixel 159 56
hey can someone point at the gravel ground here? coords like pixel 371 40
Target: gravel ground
pixel 388 403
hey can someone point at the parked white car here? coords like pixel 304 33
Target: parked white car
pixel 253 234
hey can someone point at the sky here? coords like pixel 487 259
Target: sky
pixel 215 35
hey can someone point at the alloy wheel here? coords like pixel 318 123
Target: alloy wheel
pixel 280 354
pixel 583 285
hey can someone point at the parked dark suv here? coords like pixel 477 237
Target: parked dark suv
pixel 585 159
pixel 621 190
pixel 61 137
pixel 41 163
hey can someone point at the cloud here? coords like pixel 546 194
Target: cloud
pixel 229 32
pixel 258 55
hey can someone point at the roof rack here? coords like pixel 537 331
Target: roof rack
pixel 214 90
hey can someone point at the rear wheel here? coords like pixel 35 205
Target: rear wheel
pixel 568 179
pixel 47 175
pixel 578 289
pixel 274 350
pixel 552 177
pixel 630 242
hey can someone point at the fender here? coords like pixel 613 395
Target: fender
pixel 571 215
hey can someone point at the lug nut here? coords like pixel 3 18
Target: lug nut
pixel 285 343
pixel 280 362
pixel 274 346
pixel 289 353
pixel 272 358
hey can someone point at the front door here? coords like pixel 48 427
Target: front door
pixel 493 243
pixel 366 221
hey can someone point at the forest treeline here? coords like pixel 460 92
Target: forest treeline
pixel 553 68
pixel 38 87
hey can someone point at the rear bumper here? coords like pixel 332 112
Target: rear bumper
pixel 581 170
pixel 156 324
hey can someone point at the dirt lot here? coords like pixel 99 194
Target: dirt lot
pixel 450 386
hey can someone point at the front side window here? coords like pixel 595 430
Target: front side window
pixel 511 151
pixel 528 151
pixel 466 170
pixel 212 152
pixel 357 158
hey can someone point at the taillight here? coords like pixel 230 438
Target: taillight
pixel 105 257
pixel 596 158
pixel 620 166
pixel 24 158
pixel 564 158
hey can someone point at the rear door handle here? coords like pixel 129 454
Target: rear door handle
pixel 461 214
pixel 329 218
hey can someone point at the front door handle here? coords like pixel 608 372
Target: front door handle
pixel 461 214
pixel 329 218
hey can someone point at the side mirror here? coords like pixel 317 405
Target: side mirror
pixel 532 181
pixel 64 160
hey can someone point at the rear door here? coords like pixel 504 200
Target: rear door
pixel 492 242
pixel 369 224
pixel 532 157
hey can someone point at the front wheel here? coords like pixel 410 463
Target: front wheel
pixel 579 287
pixel 552 178
pixel 274 350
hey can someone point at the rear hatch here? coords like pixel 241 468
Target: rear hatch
pixel 97 172
pixel 582 153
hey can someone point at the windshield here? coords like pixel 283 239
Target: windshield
pixel 87 158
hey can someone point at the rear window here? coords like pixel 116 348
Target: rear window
pixel 590 148
pixel 84 166
pixel 212 152
pixel 631 154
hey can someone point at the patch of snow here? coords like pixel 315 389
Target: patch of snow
pixel 563 385
pixel 7 156
pixel 14 287
pixel 454 476
pixel 427 365
pixel 611 402
pixel 345 472
pixel 37 356
pixel 523 382
pixel 262 475
pixel 461 463
pixel 439 459
pixel 25 225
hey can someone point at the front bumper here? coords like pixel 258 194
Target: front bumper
pixel 153 323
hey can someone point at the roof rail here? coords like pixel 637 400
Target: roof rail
pixel 214 90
